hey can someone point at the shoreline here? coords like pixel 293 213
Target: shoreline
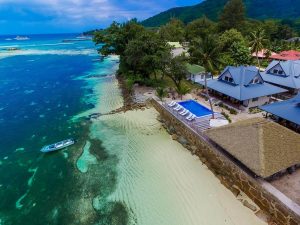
pixel 135 108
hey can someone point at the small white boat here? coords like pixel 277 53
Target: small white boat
pixel 21 38
pixel 58 146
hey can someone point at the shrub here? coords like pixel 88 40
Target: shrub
pixel 233 111
pixel 226 116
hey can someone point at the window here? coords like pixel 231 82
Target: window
pixel 280 72
pixel 256 80
pixel 228 79
pixel 275 71
pixel 254 99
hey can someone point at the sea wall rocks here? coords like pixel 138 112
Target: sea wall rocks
pixel 230 174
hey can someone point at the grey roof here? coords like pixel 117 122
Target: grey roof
pixel 240 89
pixel 291 78
pixel 288 110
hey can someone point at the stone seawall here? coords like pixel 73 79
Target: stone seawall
pixel 232 175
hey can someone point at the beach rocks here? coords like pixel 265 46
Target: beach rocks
pixel 182 141
pixel 250 206
pixel 236 192
pixel 194 149
pixel 174 137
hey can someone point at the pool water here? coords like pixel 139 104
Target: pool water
pixel 195 108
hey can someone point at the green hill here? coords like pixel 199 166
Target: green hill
pixel 256 9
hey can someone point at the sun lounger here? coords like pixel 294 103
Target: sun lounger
pixel 171 104
pixel 178 108
pixel 184 114
pixel 191 118
pixel 183 111
pixel 190 115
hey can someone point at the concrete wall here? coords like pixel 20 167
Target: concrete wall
pixel 261 101
pixel 230 173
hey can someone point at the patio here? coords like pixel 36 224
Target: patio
pixel 199 125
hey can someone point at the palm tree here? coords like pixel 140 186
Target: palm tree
pixel 182 90
pixel 161 93
pixel 257 43
pixel 206 52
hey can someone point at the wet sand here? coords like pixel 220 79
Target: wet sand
pixel 158 180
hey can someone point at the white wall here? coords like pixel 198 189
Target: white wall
pixel 261 101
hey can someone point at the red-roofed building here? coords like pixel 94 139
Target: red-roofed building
pixel 287 55
pixel 263 54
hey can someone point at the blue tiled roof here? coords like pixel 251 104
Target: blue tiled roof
pixel 292 74
pixel 288 110
pixel 240 89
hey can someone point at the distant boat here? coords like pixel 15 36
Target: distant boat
pixel 58 146
pixel 84 37
pixel 21 38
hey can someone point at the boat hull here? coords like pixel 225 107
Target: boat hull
pixel 58 146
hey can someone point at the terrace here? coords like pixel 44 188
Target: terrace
pixel 198 124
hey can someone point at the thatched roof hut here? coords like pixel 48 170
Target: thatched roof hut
pixel 263 146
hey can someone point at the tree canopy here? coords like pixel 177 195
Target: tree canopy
pixel 233 15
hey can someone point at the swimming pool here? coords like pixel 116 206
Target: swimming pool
pixel 195 108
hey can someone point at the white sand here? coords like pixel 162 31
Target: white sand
pixel 160 181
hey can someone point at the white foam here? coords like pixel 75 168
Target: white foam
pixel 46 52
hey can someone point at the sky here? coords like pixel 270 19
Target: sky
pixel 66 16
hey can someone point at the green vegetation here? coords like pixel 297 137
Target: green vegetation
pixel 226 116
pixel 233 15
pixel 258 42
pixel 161 93
pixel 279 11
pixel 146 58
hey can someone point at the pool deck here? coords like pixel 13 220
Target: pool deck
pixel 199 124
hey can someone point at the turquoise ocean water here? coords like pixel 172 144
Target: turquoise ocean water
pixel 43 86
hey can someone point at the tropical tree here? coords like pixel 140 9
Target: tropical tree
pixel 258 40
pixel 182 90
pixel 116 37
pixel 233 15
pixel 161 93
pixel 206 52
pixel 200 28
pixel 177 70
pixel 240 54
pixel 173 31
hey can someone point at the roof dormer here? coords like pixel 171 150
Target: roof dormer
pixel 277 70
pixel 227 77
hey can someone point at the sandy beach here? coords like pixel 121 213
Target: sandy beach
pixel 159 181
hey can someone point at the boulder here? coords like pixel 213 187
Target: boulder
pixel 174 137
pixel 235 191
pixel 249 205
pixel 182 140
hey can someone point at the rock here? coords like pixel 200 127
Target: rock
pixel 263 216
pixel 235 191
pixel 194 149
pixel 250 206
pixel 171 130
pixel 182 140
pixel 174 137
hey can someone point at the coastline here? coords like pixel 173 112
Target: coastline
pixel 153 171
